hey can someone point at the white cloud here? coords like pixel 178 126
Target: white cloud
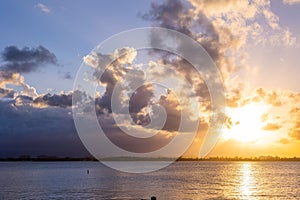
pixel 291 2
pixel 43 8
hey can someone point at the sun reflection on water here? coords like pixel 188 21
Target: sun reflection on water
pixel 247 183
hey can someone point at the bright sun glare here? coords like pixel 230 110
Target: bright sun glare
pixel 246 123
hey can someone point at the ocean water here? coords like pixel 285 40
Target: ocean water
pixel 181 180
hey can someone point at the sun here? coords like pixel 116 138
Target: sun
pixel 246 123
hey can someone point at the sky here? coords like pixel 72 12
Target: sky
pixel 254 43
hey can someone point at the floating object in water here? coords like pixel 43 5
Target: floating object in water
pixel 152 198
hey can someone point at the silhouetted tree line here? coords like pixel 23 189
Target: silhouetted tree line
pixel 236 158
pixel 47 158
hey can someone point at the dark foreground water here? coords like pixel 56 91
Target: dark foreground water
pixel 182 180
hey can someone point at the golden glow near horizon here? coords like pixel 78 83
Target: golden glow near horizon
pixel 261 128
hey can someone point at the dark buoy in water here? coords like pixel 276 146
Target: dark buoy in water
pixel 87 171
pixel 153 198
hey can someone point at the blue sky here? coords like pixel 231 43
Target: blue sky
pixel 71 30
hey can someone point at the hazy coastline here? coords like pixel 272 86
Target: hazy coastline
pixel 56 158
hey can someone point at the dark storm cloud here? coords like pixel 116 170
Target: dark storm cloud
pixel 18 61
pixel 23 100
pixel 173 115
pixel 129 143
pixel 27 59
pixel 51 100
pixel 179 15
pixel 120 69
pixel 40 126
pixel 176 15
pixel 170 15
pixel 140 98
pixel 110 81
pixel 34 131
pixel 60 100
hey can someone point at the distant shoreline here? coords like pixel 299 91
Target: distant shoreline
pixel 91 159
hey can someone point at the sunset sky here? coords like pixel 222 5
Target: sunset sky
pixel 255 45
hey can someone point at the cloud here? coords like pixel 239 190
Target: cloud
pixel 223 28
pixel 19 61
pixel 295 133
pixel 173 110
pixel 35 131
pixel 271 127
pixel 295 111
pixel 291 2
pixel 177 16
pixel 136 94
pixel 60 100
pixel 233 98
pixel 23 100
pixel 228 122
pixel 27 59
pixel 17 80
pixel 43 8
pixel 119 73
pixel 112 68
pixel 270 97
pixel 141 98
pixel 170 14
pixel 67 75
pixel 294 130
pixel 44 125
pixel 129 143
pixel 125 55
pixel 6 93
pixel 284 141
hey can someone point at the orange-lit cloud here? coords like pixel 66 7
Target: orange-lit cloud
pixel 271 127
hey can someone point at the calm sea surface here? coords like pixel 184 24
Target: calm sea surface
pixel 182 180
